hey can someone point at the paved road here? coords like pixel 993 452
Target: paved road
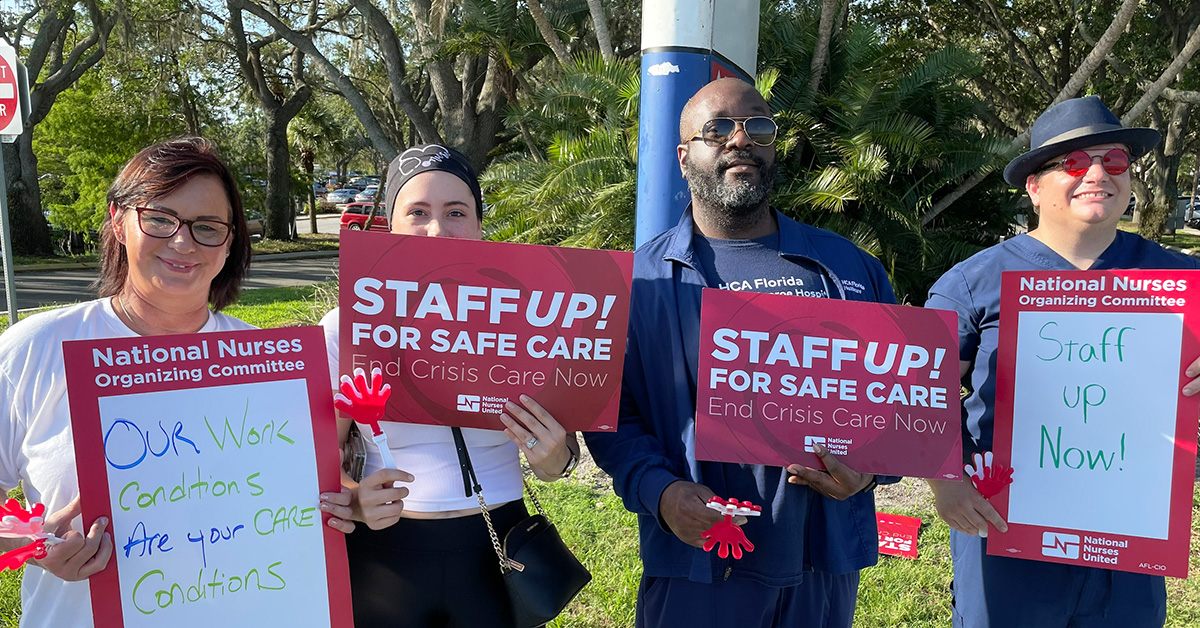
pixel 325 224
pixel 35 289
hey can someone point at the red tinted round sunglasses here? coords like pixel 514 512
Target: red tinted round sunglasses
pixel 1077 162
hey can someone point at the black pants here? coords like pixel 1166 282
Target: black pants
pixel 428 573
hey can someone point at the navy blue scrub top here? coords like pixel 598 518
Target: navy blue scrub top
pixel 972 289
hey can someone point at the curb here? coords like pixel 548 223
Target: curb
pixel 1192 252
pixel 29 268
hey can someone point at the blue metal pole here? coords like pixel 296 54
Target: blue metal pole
pixel 685 45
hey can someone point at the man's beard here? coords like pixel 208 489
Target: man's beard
pixel 737 202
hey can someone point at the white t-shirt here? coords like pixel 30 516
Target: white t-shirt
pixel 36 446
pixel 428 453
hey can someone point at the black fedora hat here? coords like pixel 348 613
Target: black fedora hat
pixel 1073 124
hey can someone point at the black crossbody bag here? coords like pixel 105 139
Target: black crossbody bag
pixel 540 573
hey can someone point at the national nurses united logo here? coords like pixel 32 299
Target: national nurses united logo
pixel 468 403
pixel 836 446
pixel 1058 545
pixel 483 404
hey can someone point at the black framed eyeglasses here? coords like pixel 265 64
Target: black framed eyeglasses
pixel 157 223
pixel 760 129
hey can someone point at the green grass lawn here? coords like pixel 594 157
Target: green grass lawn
pixel 592 521
pixel 304 242
pixel 1180 239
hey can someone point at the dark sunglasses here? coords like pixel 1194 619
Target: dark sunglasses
pixel 760 129
pixel 1077 162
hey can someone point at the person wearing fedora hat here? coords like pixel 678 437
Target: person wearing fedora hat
pixel 1077 176
pixel 423 556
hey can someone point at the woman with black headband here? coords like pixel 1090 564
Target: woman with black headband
pixel 424 557
pixel 1077 176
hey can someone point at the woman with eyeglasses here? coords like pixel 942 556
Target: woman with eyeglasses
pixel 174 251
pixel 1077 176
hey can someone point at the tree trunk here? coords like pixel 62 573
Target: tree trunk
pixel 279 183
pixel 340 81
pixel 820 56
pixel 58 67
pixel 1141 197
pixel 1164 177
pixel 30 232
pixel 601 22
pixel 548 32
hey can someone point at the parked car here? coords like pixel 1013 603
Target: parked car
pixel 254 224
pixel 355 217
pixel 367 195
pixel 343 195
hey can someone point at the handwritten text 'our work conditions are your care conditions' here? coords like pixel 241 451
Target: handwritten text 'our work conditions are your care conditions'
pixel 208 464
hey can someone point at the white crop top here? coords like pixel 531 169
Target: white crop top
pixel 427 452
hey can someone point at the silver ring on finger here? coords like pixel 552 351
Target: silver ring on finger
pixel 529 444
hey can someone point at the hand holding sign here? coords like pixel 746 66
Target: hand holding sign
pixel 837 481
pixel 539 436
pixel 961 506
pixel 364 402
pixel 1193 372
pixel 77 557
pixel 339 507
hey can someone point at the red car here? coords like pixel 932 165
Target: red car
pixel 355 217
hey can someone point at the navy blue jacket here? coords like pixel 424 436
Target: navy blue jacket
pixel 654 444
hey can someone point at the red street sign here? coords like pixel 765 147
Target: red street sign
pixel 10 108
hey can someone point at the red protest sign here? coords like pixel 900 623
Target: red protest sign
pixel 207 453
pixel 459 327
pixel 875 384
pixel 1090 417
pixel 898 534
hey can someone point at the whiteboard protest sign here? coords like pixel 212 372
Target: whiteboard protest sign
pixel 1091 418
pixel 207 452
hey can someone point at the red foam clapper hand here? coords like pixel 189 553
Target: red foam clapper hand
pixel 16 522
pixel 15 559
pixel 364 401
pixel 724 534
pixel 989 479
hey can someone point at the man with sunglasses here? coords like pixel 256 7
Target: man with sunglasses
pixel 1077 176
pixel 817 529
